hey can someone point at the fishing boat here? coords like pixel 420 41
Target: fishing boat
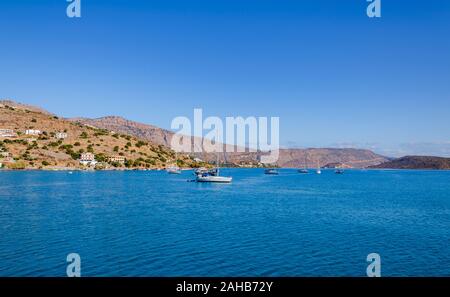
pixel 339 171
pixel 271 171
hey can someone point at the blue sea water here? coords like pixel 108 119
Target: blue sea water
pixel 155 224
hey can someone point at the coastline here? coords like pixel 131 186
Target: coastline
pixel 189 169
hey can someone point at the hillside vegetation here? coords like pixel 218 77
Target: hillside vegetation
pixel 46 151
pixel 290 158
pixel 142 145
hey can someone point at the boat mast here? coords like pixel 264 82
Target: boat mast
pixel 217 164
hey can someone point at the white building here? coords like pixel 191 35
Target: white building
pixel 61 135
pixel 118 159
pixel 88 159
pixel 33 132
pixel 7 133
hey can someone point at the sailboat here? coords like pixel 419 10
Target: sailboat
pixel 318 171
pixel 173 170
pixel 304 170
pixel 212 176
pixel 271 171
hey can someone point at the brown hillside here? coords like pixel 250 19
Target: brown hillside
pixel 45 151
pixel 289 158
pixel 416 162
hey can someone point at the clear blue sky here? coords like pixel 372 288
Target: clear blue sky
pixel 332 75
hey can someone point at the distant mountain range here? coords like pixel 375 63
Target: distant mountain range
pixel 289 158
pixel 416 162
pixel 19 117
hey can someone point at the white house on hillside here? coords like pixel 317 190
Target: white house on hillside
pixel 7 133
pixel 33 132
pixel 61 135
pixel 88 159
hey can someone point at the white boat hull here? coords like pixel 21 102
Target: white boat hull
pixel 271 172
pixel 214 179
pixel 173 170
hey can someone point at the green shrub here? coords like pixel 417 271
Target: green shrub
pixel 116 164
pixel 75 156
pixel 101 157
pixel 140 143
pixel 150 161
pixel 17 166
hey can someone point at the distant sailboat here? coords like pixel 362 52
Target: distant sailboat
pixel 174 169
pixel 318 171
pixel 304 169
pixel 271 171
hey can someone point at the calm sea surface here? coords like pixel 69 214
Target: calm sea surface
pixel 155 224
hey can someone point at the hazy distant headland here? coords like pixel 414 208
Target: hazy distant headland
pixel 416 162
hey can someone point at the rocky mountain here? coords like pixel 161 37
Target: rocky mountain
pixel 118 124
pixel 107 133
pixel 416 162
pixel 314 157
pixel 289 158
pixel 55 143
